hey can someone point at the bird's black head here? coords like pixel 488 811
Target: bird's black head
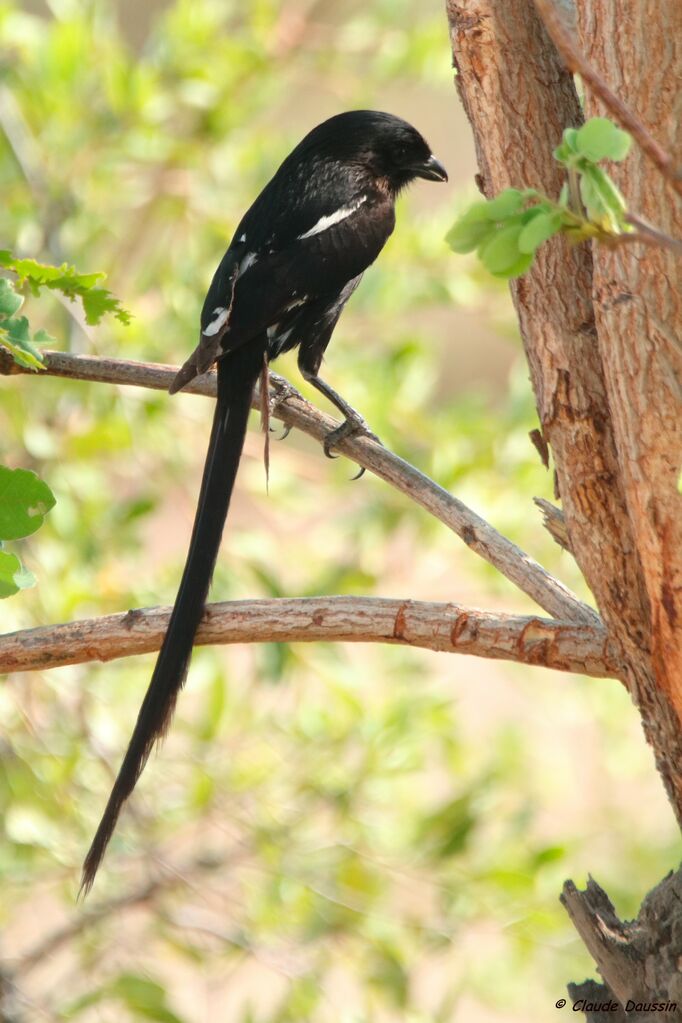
pixel 390 148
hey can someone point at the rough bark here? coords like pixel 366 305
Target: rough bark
pixel 638 960
pixel 637 294
pixel 519 97
pixel 447 628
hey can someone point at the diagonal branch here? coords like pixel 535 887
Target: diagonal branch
pixel 294 410
pixel 448 628
pixel 577 62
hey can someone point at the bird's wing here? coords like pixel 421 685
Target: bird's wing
pixel 215 314
pixel 257 284
pixel 318 264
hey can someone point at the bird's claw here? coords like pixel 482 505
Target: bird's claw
pixel 350 426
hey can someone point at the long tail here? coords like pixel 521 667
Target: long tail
pixel 237 375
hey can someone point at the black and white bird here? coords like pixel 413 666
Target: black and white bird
pixel 297 256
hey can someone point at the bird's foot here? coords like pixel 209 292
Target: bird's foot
pixel 352 425
pixel 283 393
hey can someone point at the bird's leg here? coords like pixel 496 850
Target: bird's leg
pixel 353 422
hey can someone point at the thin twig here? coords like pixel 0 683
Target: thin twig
pixel 448 628
pixel 576 62
pixel 650 235
pixel 293 410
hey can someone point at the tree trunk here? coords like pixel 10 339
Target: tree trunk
pixel 600 327
pixel 634 45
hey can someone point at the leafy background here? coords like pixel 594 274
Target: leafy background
pixel 329 833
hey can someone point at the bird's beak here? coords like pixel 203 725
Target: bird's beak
pixel 432 170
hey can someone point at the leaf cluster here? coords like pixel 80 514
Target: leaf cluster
pixel 507 231
pixel 15 333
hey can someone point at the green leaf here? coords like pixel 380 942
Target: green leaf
pixel 523 263
pixel 478 223
pixel 506 204
pixel 10 302
pixel 10 567
pixel 17 338
pixel 566 151
pixel 466 234
pixel 98 301
pixel 604 202
pixel 538 230
pixel 570 138
pixel 24 501
pixel 477 211
pixel 65 278
pixel 24 578
pixel 42 337
pixel 501 252
pixel 600 139
pixel 562 153
pixel 71 282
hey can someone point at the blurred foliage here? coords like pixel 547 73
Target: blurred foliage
pixel 329 834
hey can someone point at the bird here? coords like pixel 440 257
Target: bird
pixel 295 259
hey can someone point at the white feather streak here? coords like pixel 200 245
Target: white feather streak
pixel 220 315
pixel 333 218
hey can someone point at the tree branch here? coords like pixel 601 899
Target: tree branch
pixel 577 62
pixel 554 522
pixel 447 628
pixel 294 410
pixel 650 235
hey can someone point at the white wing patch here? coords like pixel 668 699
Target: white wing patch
pixel 248 260
pixel 220 315
pixel 280 338
pixel 333 218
